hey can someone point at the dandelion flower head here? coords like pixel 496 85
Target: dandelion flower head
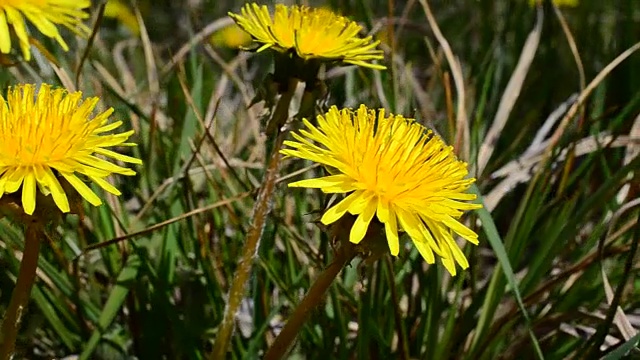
pixel 51 134
pixel 395 169
pixel 44 15
pixel 311 33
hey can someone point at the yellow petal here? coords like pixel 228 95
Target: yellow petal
pixel 335 212
pixel 118 156
pixel 29 193
pixel 360 226
pixel 425 251
pixel 333 181
pixel 391 231
pixel 46 176
pixel 105 185
pixel 82 189
pixel 14 180
pixel 449 265
pixel 114 125
pixel 461 230
pixel 17 22
pixel 5 39
pixel 458 255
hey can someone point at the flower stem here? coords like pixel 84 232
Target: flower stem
pixel 316 293
pixel 261 211
pixel 22 291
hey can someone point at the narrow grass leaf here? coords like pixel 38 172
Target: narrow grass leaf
pixel 63 333
pixel 113 305
pixel 494 239
pixel 624 349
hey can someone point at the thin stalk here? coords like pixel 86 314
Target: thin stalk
pixel 403 347
pixel 261 211
pixel 392 54
pixel 22 291
pixel 314 296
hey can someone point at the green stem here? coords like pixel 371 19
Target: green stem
pixel 316 293
pixel 261 211
pixel 22 291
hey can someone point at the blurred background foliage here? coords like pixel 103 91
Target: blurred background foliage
pixel 567 221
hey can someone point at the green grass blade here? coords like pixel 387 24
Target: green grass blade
pixel 496 243
pixel 113 305
pixel 624 349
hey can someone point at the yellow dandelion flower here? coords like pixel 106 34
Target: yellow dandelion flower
pixel 44 15
pixel 311 33
pixel 51 134
pixel 393 168
pixel 231 36
pixel 116 9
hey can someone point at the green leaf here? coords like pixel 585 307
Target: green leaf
pixel 495 240
pixel 113 305
pixel 623 349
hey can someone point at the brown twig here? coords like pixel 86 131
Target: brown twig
pixel 261 211
pixel 314 296
pixel 22 291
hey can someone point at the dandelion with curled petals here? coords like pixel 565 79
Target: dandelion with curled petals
pixel 45 15
pixel 311 33
pixel 394 168
pixel 52 134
